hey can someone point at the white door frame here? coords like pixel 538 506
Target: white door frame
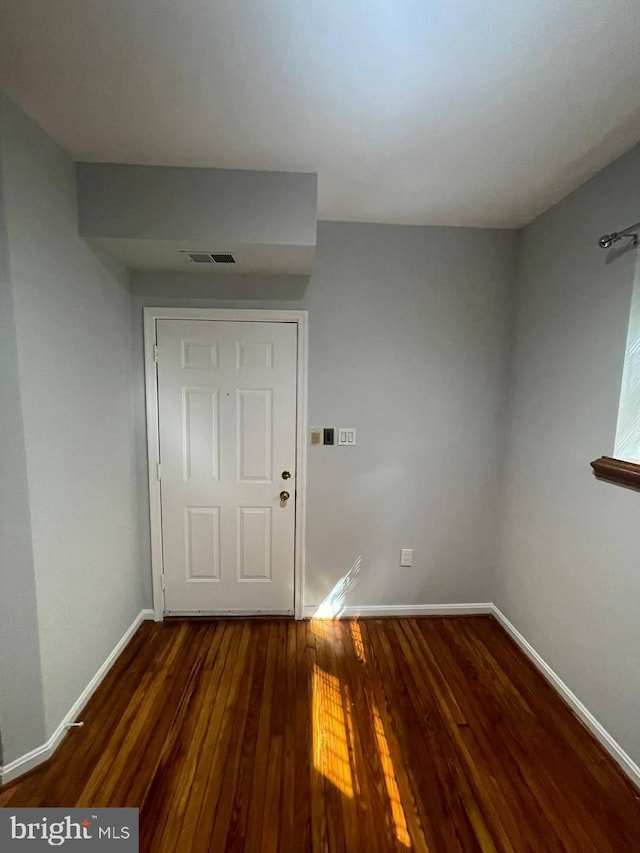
pixel 153 432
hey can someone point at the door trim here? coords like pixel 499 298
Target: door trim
pixel 300 318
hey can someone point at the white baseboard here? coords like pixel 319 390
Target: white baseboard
pixel 43 753
pixel 222 614
pixel 597 730
pixel 328 611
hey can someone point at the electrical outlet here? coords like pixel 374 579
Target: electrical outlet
pixel 406 557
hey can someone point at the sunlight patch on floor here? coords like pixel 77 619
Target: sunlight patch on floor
pixel 322 629
pixel 333 726
pixel 397 812
pixel 330 745
pixel 358 644
pixel 351 739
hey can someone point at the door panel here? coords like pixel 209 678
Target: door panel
pixel 201 432
pixel 227 420
pixel 254 543
pixel 254 431
pixel 202 542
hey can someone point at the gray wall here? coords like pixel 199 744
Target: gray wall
pixel 170 203
pixel 149 217
pixel 73 336
pixel 408 333
pixel 20 679
pixel 569 558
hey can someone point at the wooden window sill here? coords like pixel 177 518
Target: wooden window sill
pixel 617 471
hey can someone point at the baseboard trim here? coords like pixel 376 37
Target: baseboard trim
pixel 580 710
pixel 222 614
pixel 40 754
pixel 324 611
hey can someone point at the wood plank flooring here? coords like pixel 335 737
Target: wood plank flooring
pixel 432 734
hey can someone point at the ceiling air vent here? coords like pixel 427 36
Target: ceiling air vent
pixel 200 257
pixel 210 257
pixel 223 258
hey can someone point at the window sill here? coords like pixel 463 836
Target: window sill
pixel 617 471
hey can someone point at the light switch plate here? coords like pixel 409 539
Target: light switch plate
pixel 346 436
pixel 316 436
pixel 406 557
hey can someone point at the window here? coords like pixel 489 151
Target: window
pixel 627 445
pixel 624 467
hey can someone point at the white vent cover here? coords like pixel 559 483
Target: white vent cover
pixel 210 257
pixel 200 258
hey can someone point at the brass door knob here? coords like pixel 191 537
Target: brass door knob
pixel 285 475
pixel 284 496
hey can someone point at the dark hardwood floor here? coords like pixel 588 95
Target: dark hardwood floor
pixel 432 734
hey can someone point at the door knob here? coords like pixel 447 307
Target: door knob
pixel 285 475
pixel 284 497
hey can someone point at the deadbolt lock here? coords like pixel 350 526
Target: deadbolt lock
pixel 284 497
pixel 285 475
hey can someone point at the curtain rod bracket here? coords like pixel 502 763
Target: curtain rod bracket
pixel 633 231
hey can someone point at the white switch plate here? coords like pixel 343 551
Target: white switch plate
pixel 346 436
pixel 406 557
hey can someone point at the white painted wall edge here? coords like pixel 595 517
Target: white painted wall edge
pixel 580 710
pixel 43 753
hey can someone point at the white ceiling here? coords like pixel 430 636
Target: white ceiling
pixel 411 111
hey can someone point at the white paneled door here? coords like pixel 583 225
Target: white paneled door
pixel 227 422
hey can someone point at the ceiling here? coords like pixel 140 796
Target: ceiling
pixel 450 113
